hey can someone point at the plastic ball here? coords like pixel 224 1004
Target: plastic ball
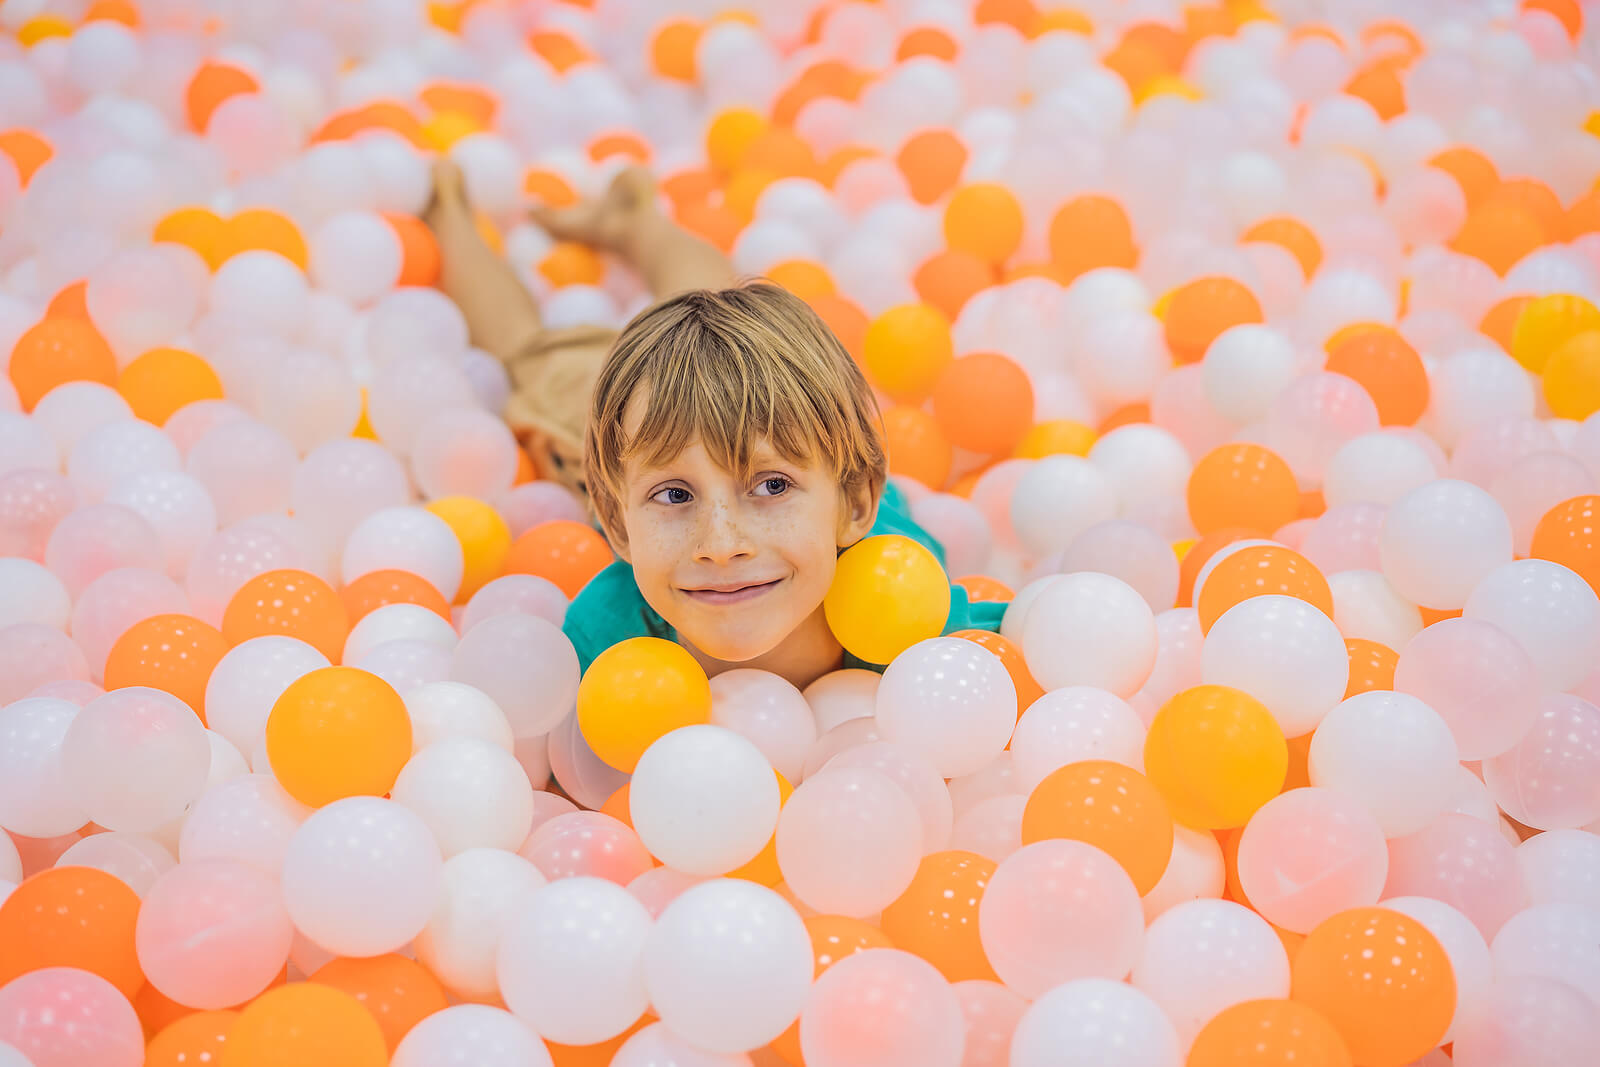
pixel 1478 678
pixel 587 919
pixel 471 793
pixel 32 502
pixel 1090 629
pixel 397 991
pixel 1390 1004
pixel 173 653
pixel 443 710
pixel 247 681
pixel 1470 961
pixel 991 1012
pixel 888 593
pixel 906 349
pixel 936 918
pixel 189 1038
pixel 1056 499
pixel 63 1015
pixel 1268 1032
pixel 213 933
pixel 134 859
pixel 1072 724
pixel 1090 1021
pixel 1564 535
pixel 1528 1019
pixel 1546 608
pixel 1308 854
pixel 356 256
pixel 409 539
pixel 307 1023
pixel 984 403
pixel 913 774
pixel 584 843
pixel 1546 780
pixel 768 712
pixel 1441 574
pixel 1464 862
pixel 248 819
pixel 337 732
pixel 1560 867
pixel 36 797
pixel 1549 941
pixel 475 1033
pixel 1217 755
pixel 697 773
pixel 464 453
pixel 1242 485
pixel 483 891
pixel 71 917
pixel 59 350
pixel 916 687
pixel 361 876
pixel 1110 806
pixel 398 622
pixel 91 541
pixel 1394 752
pixel 1282 651
pixel 135 758
pixel 923 1025
pixel 858 871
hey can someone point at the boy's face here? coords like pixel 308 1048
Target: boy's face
pixel 737 566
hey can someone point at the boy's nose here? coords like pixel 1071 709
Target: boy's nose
pixel 722 536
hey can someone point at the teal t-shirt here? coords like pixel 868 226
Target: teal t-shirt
pixel 610 609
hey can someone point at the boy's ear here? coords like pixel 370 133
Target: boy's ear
pixel 859 513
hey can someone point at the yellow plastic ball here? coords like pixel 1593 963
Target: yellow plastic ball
pixel 1216 754
pixel 338 732
pixel 888 593
pixel 730 135
pixel 1546 323
pixel 442 130
pixel 1572 377
pixel 905 349
pixel 636 691
pixel 485 539
pixel 1056 437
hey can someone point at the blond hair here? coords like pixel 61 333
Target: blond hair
pixel 731 367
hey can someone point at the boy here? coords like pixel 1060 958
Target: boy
pixel 732 450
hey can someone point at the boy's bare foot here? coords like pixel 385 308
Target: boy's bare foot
pixel 448 204
pixel 605 223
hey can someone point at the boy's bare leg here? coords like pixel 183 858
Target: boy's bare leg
pixel 627 222
pixel 502 316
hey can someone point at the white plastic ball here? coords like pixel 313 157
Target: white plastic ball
pixel 1440 540
pixel 1391 751
pixel 1090 629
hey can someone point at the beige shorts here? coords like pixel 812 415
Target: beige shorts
pixel 552 381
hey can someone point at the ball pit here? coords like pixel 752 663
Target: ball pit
pixel 1249 352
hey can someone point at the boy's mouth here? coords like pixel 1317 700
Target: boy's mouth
pixel 730 593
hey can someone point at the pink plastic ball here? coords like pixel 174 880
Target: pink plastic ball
pixel 1556 941
pixel 177 507
pixel 1528 1019
pixel 1072 724
pixel 848 841
pixel 1132 552
pixel 992 827
pixel 1464 862
pixel 1490 449
pixel 531 503
pixel 840 696
pixel 916 777
pixel 1550 779
pixel 528 594
pixel 768 711
pixel 406 392
pixel 1309 853
pixel 135 859
pixel 246 466
pixel 64 1017
pixel 32 654
pixel 249 819
pixel 525 665
pixel 1344 538
pixel 587 843
pixel 194 420
pixel 1206 955
pixel 916 1015
pixel 36 800
pixel 583 775
pixel 223 562
pixel 464 452
pixel 1477 678
pixel 115 601
pixel 1561 867
pixel 99 538
pixel 342 482
pixel 32 503
pixel 950 700
pixel 213 933
pixel 991 1012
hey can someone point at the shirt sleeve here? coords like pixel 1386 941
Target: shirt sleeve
pixel 968 614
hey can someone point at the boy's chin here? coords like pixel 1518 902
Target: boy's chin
pixel 736 645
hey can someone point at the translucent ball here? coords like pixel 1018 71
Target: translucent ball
pixel 472 1033
pixel 585 843
pixel 25 445
pixel 655 1044
pixel 310 398
pixel 1285 653
pixel 1245 369
pixel 115 601
pixel 1549 610
pixel 1487 450
pixel 992 828
pixel 1392 751
pixel 1548 779
pixel 1464 862
pixel 770 713
pixel 1056 499
pixel 1440 540
pixel 356 256
pixel 342 482
pixel 406 664
pixel 957 525
pixel 470 793
pixel 483 891
pixel 404 394
pixel 1376 468
pixel 840 696
pixel 260 293
pixel 1533 485
pixel 248 681
pixel 1478 678
pixel 194 420
pixel 525 665
pixel 917 1018
pixel 1366 606
pixel 175 505
pixel 145 297
pixel 531 503
pixel 1090 629
pixel 1474 387
pixel 1073 724
pixel 704 800
pixel 68 1016
pixel 361 876
pixel 1203 956
pixel 1344 538
pixel 1468 952
pixel 1527 1019
pixel 1309 853
pixel 397 622
pixel 1195 871
pixel 1561 866
pixel 951 700
pixel 246 466
pixel 1132 552
pixel 409 539
pixel 1059 910
pixel 32 655
pixel 135 758
pixel 32 502
pixel 1555 941
pixel 848 841
pixel 134 859
pixel 36 797
pixel 917 777
pixel 213 933
pixel 581 774
pixel 525 593
pixel 571 960
pixel 728 965
pixel 249 819
pixel 73 409
pixel 1149 469
pixel 464 453
pixel 1095 1021
pixel 30 593
pixel 443 710
pixel 415 321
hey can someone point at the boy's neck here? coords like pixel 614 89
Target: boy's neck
pixel 800 659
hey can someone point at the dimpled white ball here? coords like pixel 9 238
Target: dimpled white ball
pixel 1440 540
pixel 951 700
pixel 1056 499
pixel 1376 468
pixel 36 798
pixel 1284 652
pixel 1072 724
pixel 1090 629
pixel 728 965
pixel 135 758
pixel 471 793
pixel 1391 751
pixel 1245 369
pixel 1552 613
pixel 405 538
pixel 473 1034
pixel 397 622
pixel 482 891
pixel 571 961
pixel 704 800
pixel 1091 1022
pixel 442 710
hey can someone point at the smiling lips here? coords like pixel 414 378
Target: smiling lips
pixel 730 593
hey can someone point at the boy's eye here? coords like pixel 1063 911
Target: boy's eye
pixel 776 485
pixel 675 494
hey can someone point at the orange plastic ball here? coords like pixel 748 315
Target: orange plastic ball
pixel 984 219
pixel 833 938
pixel 399 992
pixel 1383 981
pixel 212 84
pixel 196 228
pixel 559 49
pixel 1534 197
pixel 173 653
pixel 1242 485
pixel 1108 805
pixel 1472 170
pixel 932 161
pixel 338 732
pixel 982 587
pixel 1371 666
pixel 197 1038
pixel 71 917
pixel 672 49
pixel 1056 437
pixel 927 41
pixel 296 603
pixel 1200 552
pixel 28 151
pixel 419 251
pixel 1568 12
pixel 601 1054
pixel 1569 534
pixel 730 134
pixel 262 230
pixel 570 263
pixel 72 302
pixel 1292 235
pixel 1499 234
pixel 1389 369
pixel 1089 232
pixel 1216 755
pixel 916 446
pixel 937 915
pixel 305 1024
pixel 906 349
pixel 375 589
pixel 567 553
pixel 551 189
pixel 1500 322
pixel 162 380
pixel 1261 570
pixel 1200 310
pixel 948 279
pixel 1268 1033
pixel 1379 85
pixel 803 278
pixel 984 403
pixel 847 321
pixel 59 350
pixel 1028 689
